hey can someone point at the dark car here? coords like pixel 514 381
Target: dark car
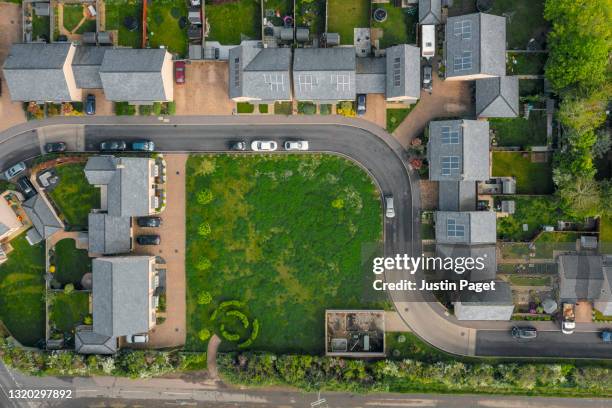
pixel 149 222
pixel 57 147
pixel 113 146
pixel 143 146
pixel 90 105
pixel 524 332
pixel 179 72
pixel 148 240
pixel 427 78
pixel 606 336
pixel 361 104
pixel 238 145
pixel 26 187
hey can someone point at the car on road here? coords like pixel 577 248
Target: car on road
pixel 113 146
pixel 137 339
pixel 361 104
pixel 390 208
pixel 148 240
pixel 238 145
pixel 524 332
pixel 264 145
pixel 179 72
pixel 57 147
pixel 606 336
pixel 26 187
pixel 149 222
pixel 90 104
pixel 296 145
pixel 143 146
pixel 427 78
pixel 14 170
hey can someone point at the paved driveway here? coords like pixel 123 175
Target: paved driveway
pixel 376 109
pixel 11 113
pixel 205 91
pixel 171 332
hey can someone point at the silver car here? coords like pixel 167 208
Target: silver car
pixel 390 210
pixel 15 170
pixel 296 145
pixel 264 145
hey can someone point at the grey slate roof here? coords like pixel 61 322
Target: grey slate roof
pixel 485 252
pixel 370 76
pixel 260 73
pixel 497 97
pixel 121 301
pixel 581 277
pixel 486 43
pixel 457 196
pixel 35 72
pixel 471 148
pixel 86 66
pixel 129 74
pixel 479 227
pixel 324 74
pixel 109 235
pixel 403 71
pixel 43 218
pixel 86 341
pixel 430 11
pixel 486 305
pixel 127 183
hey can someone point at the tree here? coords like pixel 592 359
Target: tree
pixel 602 144
pixel 584 113
pixel 204 334
pixel 580 196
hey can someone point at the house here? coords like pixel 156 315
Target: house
pixel 586 278
pixel 41 72
pixel 86 341
pixel 497 97
pixel 45 221
pixel 487 305
pixel 470 227
pixel 9 223
pixel 430 12
pixel 259 74
pixel 371 75
pixel 486 253
pixel 86 66
pixel 475 47
pixel 139 76
pixel 109 235
pixel 403 73
pixel 324 74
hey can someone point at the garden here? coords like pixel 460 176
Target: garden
pixel 41 26
pixel 311 14
pixel 72 15
pixel 520 132
pixel 342 18
pixel 74 196
pixel 69 264
pixel 68 309
pixel 395 117
pixel 525 63
pixel 524 21
pixel 273 241
pixel 167 25
pixel 399 26
pixel 532 177
pixel 124 16
pixel 245 18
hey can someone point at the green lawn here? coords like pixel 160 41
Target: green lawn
pixel 342 18
pixel 116 12
pixel 398 28
pixel 88 26
pixel 284 235
pixel 22 287
pixel 230 22
pixel 71 263
pixel 68 310
pixel 533 211
pixel 41 26
pixel 395 117
pixel 74 196
pixel 548 242
pixel 531 178
pixel 282 7
pixel 529 87
pixel 519 131
pixel 525 20
pixel 73 14
pixel 163 25
pixel 525 64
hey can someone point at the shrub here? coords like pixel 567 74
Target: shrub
pixel 88 320
pixel 240 316
pixel 157 108
pixel 203 264
pixel 204 229
pixel 124 109
pixel 69 288
pixel 229 336
pixel 245 107
pixel 171 108
pixel 204 298
pixel 205 196
pixel 254 334
pixel 145 110
pixel 263 108
pixel 204 334
pixel 338 203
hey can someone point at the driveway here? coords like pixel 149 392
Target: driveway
pixel 11 113
pixel 376 109
pixel 104 107
pixel 205 91
pixel 172 249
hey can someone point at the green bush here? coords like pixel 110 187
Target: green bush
pixel 124 109
pixel 229 336
pixel 254 334
pixel 325 109
pixel 204 298
pixel 263 108
pixel 171 108
pixel 203 265
pixel 204 334
pixel 205 196
pixel 240 316
pixel 307 108
pixel 245 107
pixel 204 229
pixel 157 108
pixel 145 110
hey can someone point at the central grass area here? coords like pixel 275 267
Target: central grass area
pixel 281 234
pixel 229 22
pixel 343 16
pixel 71 263
pixel 531 178
pixel 74 196
pixel 163 26
pixel 22 290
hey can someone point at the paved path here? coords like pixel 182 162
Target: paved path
pixel 211 356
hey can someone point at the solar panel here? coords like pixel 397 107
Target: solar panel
pixel 453 229
pixel 449 165
pixel 450 136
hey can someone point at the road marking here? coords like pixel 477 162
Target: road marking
pixel 404 403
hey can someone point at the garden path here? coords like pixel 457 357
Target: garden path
pixel 211 356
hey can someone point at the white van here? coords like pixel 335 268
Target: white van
pixel 428 41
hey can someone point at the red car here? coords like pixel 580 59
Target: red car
pixel 179 72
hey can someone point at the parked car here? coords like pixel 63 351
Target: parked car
pixel 137 338
pixel 524 332
pixel 361 104
pixel 90 104
pixel 390 208
pixel 15 170
pixel 57 147
pixel 179 72
pixel 149 222
pixel 143 146
pixel 148 240
pixel 427 79
pixel 238 145
pixel 296 145
pixel 264 145
pixel 195 3
pixel 606 336
pixel 113 145
pixel 26 187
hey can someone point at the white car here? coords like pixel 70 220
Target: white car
pixel 264 145
pixel 15 170
pixel 296 145
pixel 137 339
pixel 390 210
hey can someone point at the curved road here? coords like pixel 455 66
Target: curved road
pixel 366 144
